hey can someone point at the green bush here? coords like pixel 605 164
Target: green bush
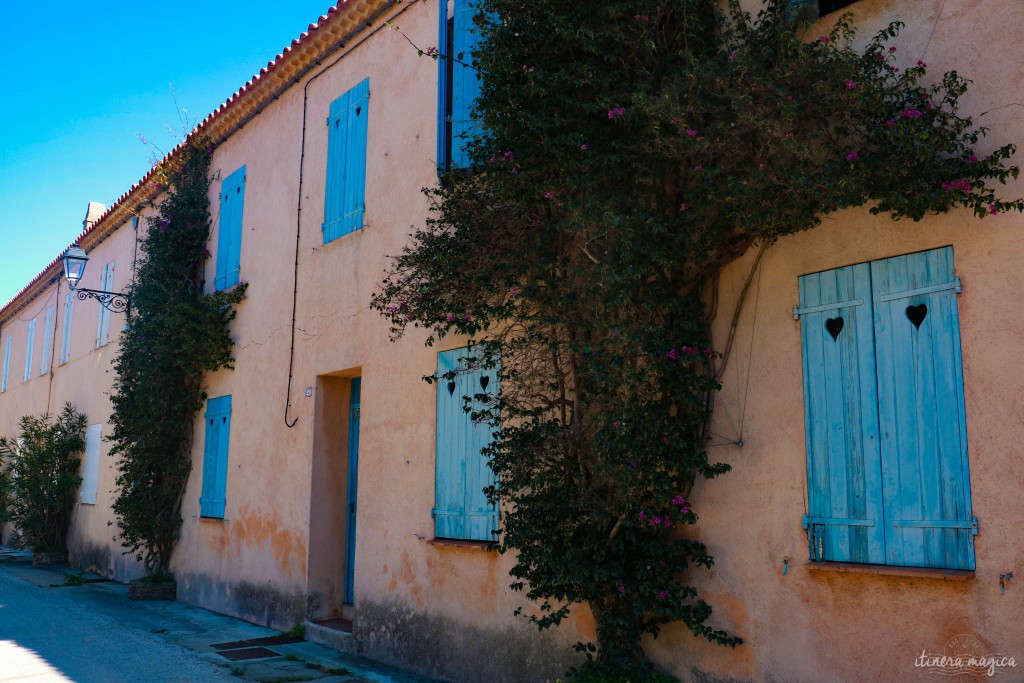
pixel 37 489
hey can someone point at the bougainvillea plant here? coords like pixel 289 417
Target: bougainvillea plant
pixel 628 151
pixel 176 334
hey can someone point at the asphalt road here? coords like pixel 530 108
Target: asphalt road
pixel 46 637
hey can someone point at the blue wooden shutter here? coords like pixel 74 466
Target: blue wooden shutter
pixel 444 88
pixel 215 457
pixel 65 337
pixel 921 412
pixel 844 489
pixel 461 509
pixel 44 362
pixel 103 324
pixel 30 342
pixel 465 83
pixel 345 193
pixel 7 363
pixel 229 233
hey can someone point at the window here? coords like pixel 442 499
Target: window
pixel 103 324
pixel 30 341
pixel 458 82
pixel 887 474
pixel 229 234
pixel 829 6
pixel 7 364
pixel 65 337
pixel 44 362
pixel 91 465
pixel 215 457
pixel 344 196
pixel 461 509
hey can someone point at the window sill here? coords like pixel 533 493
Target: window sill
pixel 462 543
pixel 212 520
pixel 886 570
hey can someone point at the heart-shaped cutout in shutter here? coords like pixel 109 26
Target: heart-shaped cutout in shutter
pixel 834 327
pixel 916 314
pixel 484 381
pixel 451 387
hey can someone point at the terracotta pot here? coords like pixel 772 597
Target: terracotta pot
pixel 49 559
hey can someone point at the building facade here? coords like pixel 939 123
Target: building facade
pixel 329 481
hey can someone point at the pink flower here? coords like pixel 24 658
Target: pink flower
pixel 583 147
pixel 850 85
pixel 508 156
pixel 698 167
pixel 467 317
pixel 672 354
pixel 972 158
pixel 852 156
pixel 961 184
pixel 690 132
pixel 760 167
pixel 790 134
pixel 549 195
pixel 513 293
pixel 642 17
pixel 892 48
pixel 992 211
pixel 824 39
pixel 430 51
pixel 921 64
pixel 622 588
pixel 678 500
pixel 682 207
pixel 688 349
pixel 732 56
pixel 664 440
pixel 450 318
pixel 890 123
pixel 206 253
pixel 642 516
pixel 662 595
pixel 655 520
pixel 616 112
pixel 529 69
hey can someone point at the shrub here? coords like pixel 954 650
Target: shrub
pixel 37 491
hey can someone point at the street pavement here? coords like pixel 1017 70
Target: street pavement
pixel 92 633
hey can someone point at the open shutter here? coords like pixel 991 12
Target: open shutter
pixel 7 363
pixel 30 342
pixel 103 324
pixel 215 457
pixel 91 465
pixel 44 362
pixel 845 518
pixel 65 337
pixel 921 412
pixel 461 508
pixel 229 233
pixel 465 81
pixel 344 196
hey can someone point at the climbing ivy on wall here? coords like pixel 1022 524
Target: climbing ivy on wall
pixel 176 334
pixel 630 150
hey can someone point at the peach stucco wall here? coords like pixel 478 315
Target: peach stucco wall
pixel 277 556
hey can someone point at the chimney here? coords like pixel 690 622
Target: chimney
pixel 92 214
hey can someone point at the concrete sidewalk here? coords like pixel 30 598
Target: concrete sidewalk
pixel 198 630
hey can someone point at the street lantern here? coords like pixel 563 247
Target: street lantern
pixel 74 268
pixel 74 265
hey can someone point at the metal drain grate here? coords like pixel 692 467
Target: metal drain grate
pixel 247 653
pixel 256 642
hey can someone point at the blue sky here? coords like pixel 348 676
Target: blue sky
pixel 82 80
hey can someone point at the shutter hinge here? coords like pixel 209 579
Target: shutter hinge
pixel 327 121
pixel 433 513
pixel 974 526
